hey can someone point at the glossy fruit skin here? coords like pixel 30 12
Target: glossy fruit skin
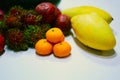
pixel 5 5
pixel 93 31
pixel 2 43
pixel 63 22
pixel 55 35
pixel 86 10
pixel 62 49
pixel 1 15
pixel 48 11
pixel 43 47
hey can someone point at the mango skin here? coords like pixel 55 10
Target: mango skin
pixel 93 31
pixel 86 10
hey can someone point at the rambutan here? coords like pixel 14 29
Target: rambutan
pixel 13 21
pixel 30 17
pixel 16 11
pixel 16 40
pixel 32 34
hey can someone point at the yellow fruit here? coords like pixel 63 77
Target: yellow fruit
pixel 88 9
pixel 93 31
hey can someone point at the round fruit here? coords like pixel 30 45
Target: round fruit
pixel 1 15
pixel 62 49
pixel 63 22
pixel 48 11
pixel 43 47
pixel 55 35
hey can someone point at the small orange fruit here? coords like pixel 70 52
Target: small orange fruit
pixel 62 49
pixel 43 47
pixel 55 35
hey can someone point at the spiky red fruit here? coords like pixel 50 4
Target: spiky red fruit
pixel 13 21
pixel 15 36
pixel 16 11
pixel 15 40
pixel 30 18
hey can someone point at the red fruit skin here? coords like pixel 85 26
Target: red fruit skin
pixel 11 19
pixel 57 12
pixel 48 10
pixel 29 19
pixel 1 15
pixel 15 12
pixel 2 43
pixel 63 22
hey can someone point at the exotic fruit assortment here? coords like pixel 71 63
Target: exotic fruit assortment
pixel 44 26
pixel 23 28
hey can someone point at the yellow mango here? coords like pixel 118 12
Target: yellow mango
pixel 87 9
pixel 93 31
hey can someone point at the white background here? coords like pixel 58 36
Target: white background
pixel 83 64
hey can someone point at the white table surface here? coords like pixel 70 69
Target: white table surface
pixel 83 64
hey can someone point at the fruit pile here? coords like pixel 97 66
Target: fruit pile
pixel 22 28
pixel 54 43
pixel 45 27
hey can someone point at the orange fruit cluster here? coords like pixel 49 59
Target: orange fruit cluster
pixel 55 43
